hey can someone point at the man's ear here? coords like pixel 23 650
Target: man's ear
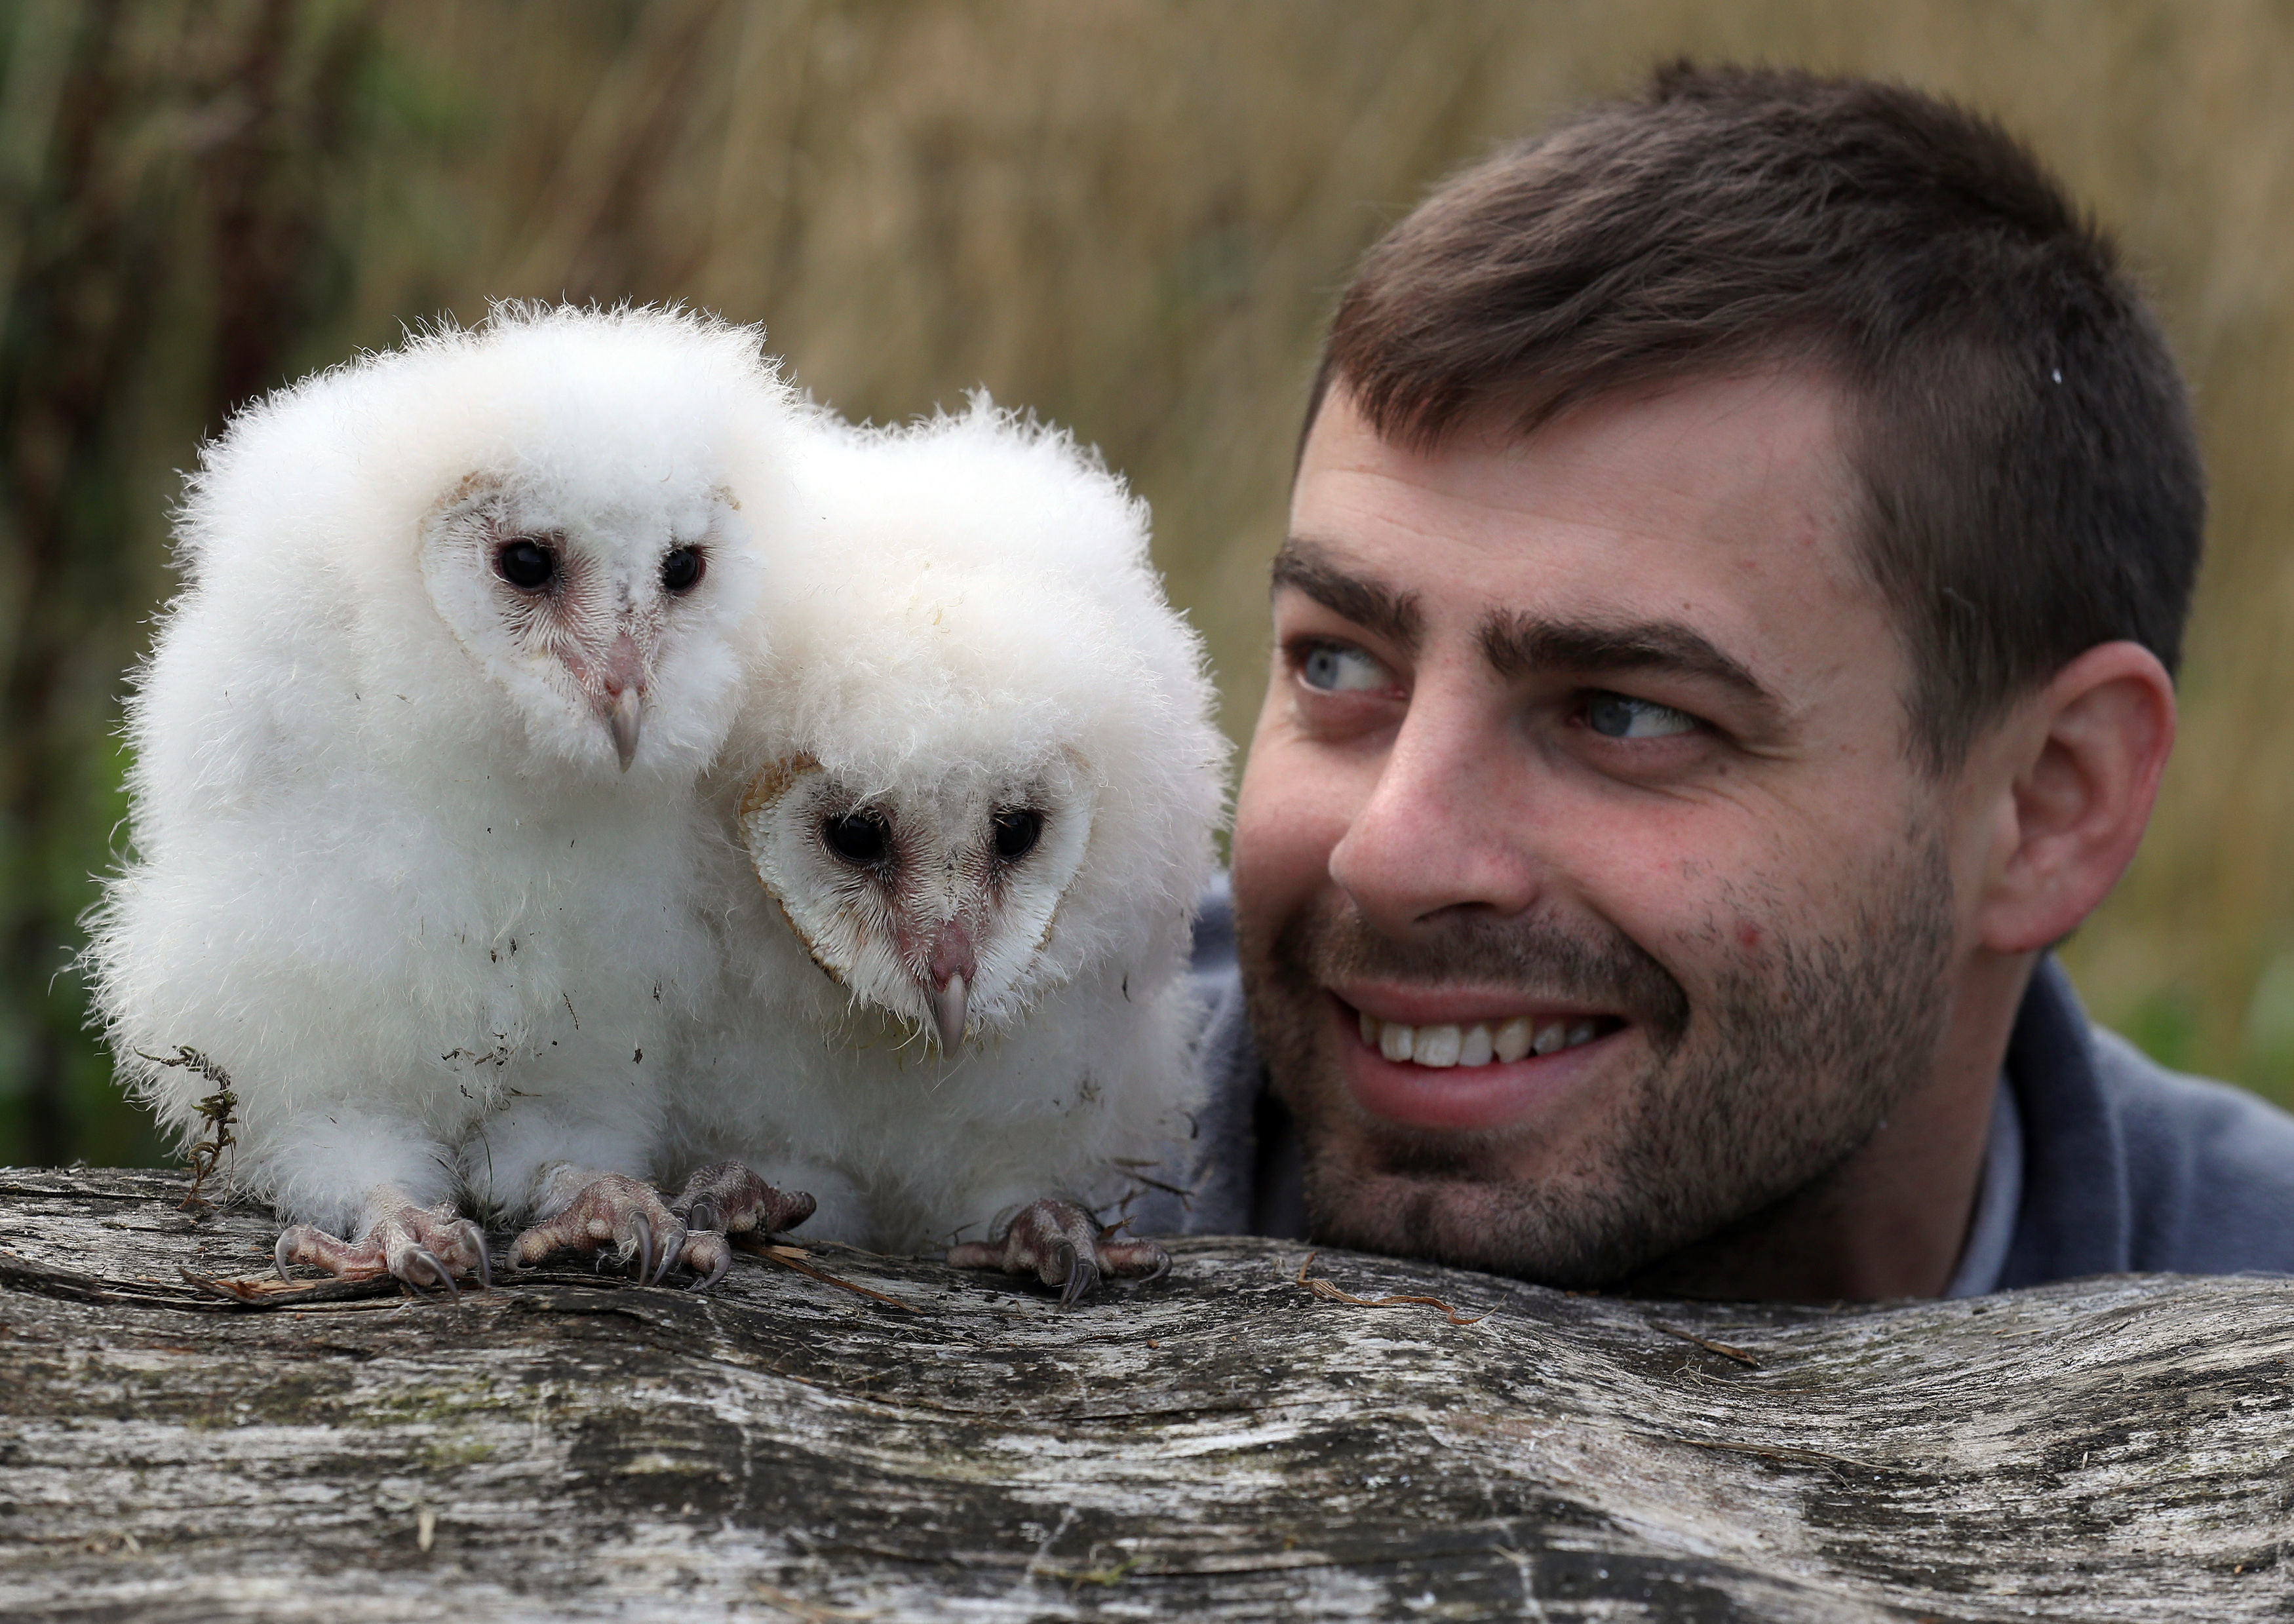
pixel 2087 752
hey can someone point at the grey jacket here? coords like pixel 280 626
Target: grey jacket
pixel 2100 1162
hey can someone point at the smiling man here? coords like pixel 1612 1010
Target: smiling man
pixel 1738 558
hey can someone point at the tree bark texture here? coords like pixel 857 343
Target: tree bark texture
pixel 1226 1442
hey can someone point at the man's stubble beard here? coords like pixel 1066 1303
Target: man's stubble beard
pixel 1796 1057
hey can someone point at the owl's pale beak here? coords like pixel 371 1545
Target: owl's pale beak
pixel 621 722
pixel 617 687
pixel 949 1002
pixel 953 966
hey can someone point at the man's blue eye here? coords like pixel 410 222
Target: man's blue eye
pixel 1335 670
pixel 1617 716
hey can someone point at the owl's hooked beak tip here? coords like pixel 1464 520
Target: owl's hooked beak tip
pixel 621 722
pixel 949 1007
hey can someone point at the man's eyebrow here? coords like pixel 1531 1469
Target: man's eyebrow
pixel 1371 604
pixel 1518 644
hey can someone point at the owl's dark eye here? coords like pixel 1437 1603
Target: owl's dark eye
pixel 526 564
pixel 1017 832
pixel 861 838
pixel 680 569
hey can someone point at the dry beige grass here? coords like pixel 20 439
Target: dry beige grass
pixel 1132 215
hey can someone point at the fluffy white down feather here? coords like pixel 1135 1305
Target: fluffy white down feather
pixel 972 606
pixel 385 870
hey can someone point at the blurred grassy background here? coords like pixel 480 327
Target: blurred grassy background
pixel 1131 214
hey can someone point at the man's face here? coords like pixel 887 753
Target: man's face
pixel 1589 901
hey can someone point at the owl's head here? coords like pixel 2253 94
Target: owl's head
pixel 987 763
pixel 931 901
pixel 539 533
pixel 588 543
pixel 603 621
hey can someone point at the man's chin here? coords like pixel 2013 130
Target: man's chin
pixel 1566 1238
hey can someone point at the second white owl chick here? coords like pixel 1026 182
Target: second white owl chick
pixel 975 799
pixel 417 837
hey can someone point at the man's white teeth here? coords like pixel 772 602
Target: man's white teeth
pixel 1475 1045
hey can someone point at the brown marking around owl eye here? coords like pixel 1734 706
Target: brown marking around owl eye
pixel 772 781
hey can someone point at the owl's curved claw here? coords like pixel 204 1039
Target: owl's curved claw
pixel 426 1258
pixel 673 1247
pixel 1082 1275
pixel 641 1240
pixel 475 1238
pixel 281 1253
pixel 710 1257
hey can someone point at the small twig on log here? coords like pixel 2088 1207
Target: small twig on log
pixel 796 1606
pixel 262 1291
pixel 1325 1288
pixel 1109 1577
pixel 758 1249
pixel 216 1107
pixel 1721 1348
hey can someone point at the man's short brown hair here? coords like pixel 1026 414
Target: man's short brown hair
pixel 2022 437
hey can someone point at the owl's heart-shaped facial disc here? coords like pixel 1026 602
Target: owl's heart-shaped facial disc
pixel 933 902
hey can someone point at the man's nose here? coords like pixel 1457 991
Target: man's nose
pixel 1447 822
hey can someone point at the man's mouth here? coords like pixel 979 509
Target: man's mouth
pixel 1462 1068
pixel 1481 1042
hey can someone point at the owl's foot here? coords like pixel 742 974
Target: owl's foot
pixel 1063 1245
pixel 426 1247
pixel 610 1209
pixel 726 1199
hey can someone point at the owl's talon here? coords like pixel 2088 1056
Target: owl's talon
pixel 425 1247
pixel 726 1197
pixel 723 1199
pixel 637 1230
pixel 1062 1246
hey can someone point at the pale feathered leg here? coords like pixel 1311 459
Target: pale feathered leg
pixel 1063 1245
pixel 583 1211
pixel 726 1199
pixel 426 1247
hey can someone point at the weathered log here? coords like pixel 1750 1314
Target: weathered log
pixel 1221 1443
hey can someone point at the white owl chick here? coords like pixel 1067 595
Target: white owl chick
pixel 415 820
pixel 976 792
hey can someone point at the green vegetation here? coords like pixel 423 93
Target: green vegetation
pixel 1130 215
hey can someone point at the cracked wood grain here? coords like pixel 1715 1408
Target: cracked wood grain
pixel 1221 1443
